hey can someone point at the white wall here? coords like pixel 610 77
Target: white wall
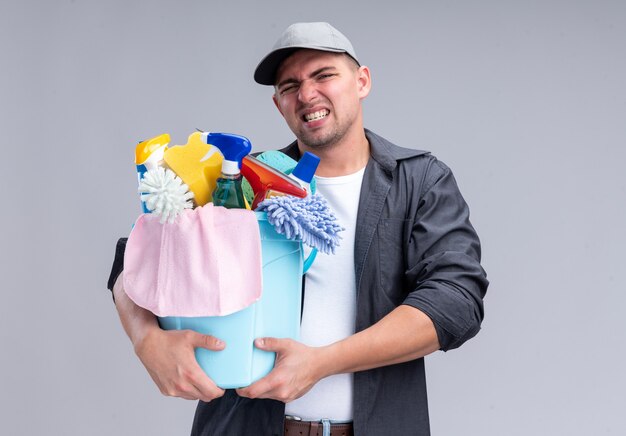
pixel 524 100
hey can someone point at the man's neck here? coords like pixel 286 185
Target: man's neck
pixel 347 157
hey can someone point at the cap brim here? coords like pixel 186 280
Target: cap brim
pixel 265 72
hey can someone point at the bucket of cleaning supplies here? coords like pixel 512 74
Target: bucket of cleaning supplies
pixel 275 314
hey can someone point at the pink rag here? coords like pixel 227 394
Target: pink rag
pixel 206 263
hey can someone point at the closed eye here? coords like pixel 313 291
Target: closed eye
pixel 325 76
pixel 288 89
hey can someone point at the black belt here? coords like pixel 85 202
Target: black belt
pixel 295 427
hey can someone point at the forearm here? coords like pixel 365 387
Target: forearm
pixel 137 321
pixel 167 355
pixel 404 334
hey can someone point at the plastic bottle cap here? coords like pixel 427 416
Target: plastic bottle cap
pixel 230 167
pixel 306 167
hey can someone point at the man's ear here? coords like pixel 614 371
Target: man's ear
pixel 277 104
pixel 364 82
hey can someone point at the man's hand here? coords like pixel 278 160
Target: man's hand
pixel 167 355
pixel 169 358
pixel 294 374
pixel 404 334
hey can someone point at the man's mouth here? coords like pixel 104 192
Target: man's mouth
pixel 316 115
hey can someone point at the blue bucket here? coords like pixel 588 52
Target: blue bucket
pixel 275 314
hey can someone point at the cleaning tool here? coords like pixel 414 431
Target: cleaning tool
pixel 149 155
pixel 208 263
pixel 198 164
pixel 264 178
pixel 275 314
pixel 305 170
pixel 164 194
pixel 302 173
pixel 279 161
pixel 224 272
pixel 309 219
pixel 228 192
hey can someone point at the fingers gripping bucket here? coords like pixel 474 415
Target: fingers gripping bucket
pixel 275 314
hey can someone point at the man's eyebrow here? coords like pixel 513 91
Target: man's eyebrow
pixel 313 74
pixel 286 81
pixel 321 70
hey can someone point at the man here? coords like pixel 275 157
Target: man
pixel 405 282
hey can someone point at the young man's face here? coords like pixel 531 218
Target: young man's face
pixel 319 95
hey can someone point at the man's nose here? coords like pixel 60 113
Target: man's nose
pixel 307 91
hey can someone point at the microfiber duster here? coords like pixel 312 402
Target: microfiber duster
pixel 165 194
pixel 309 219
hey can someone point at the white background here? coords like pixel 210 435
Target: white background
pixel 525 100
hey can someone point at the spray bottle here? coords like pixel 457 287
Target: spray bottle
pixel 234 148
pixel 264 179
pixel 302 174
pixel 148 156
pixel 304 171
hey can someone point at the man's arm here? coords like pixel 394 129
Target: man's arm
pixel 298 367
pixel 442 311
pixel 167 355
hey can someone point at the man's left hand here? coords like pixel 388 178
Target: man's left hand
pixel 295 372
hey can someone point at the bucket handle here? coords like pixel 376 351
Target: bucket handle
pixel 309 261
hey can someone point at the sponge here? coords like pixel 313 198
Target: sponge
pixel 198 164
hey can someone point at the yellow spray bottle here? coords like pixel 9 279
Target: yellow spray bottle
pixel 148 156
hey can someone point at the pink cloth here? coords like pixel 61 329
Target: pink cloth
pixel 206 263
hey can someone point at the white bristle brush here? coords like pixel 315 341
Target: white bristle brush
pixel 165 194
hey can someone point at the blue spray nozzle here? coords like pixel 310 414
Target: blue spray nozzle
pixel 306 167
pixel 233 147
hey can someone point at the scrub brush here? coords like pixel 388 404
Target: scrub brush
pixel 309 219
pixel 165 194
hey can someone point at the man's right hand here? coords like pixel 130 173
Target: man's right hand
pixel 168 355
pixel 169 358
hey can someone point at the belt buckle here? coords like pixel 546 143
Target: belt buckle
pixel 293 418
